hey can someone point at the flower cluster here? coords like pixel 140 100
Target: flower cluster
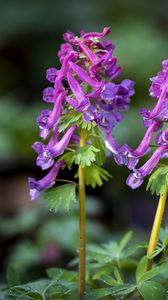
pixel 153 120
pixel 83 84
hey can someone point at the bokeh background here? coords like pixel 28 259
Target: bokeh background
pixel 32 238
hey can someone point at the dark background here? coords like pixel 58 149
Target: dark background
pixel 30 35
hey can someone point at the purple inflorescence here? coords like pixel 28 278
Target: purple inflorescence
pixel 83 84
pixel 154 120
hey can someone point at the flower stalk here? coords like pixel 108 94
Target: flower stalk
pixel 156 228
pixel 82 223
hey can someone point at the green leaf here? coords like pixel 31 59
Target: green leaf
pixel 163 236
pixel 101 271
pixel 108 280
pixel 86 125
pixel 34 290
pixel 98 293
pixel 118 275
pixel 104 254
pixel 42 289
pixel 98 142
pixel 119 290
pixel 151 290
pixel 133 249
pixel 141 268
pixel 158 181
pixel 61 197
pixel 12 276
pixel 68 158
pixel 72 117
pixel 122 290
pixel 94 175
pixel 85 155
pixel 125 240
pixel 63 275
pixel 152 273
pixel 157 251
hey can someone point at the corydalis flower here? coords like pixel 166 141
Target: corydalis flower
pixel 87 65
pixel 137 177
pixel 36 187
pixel 82 84
pixel 125 155
pixel 162 138
pixel 159 112
pixel 49 118
pixel 48 153
pixel 155 117
pixel 160 81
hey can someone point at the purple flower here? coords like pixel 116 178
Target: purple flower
pixel 94 59
pixel 47 154
pixel 109 120
pixel 81 103
pixel 135 179
pixel 107 45
pixel 84 76
pixel 51 74
pixel 48 94
pixel 49 119
pixel 65 49
pixel 125 155
pixel 160 81
pixel 62 73
pixel 87 66
pixel 39 147
pixel 36 187
pixel 159 112
pixel 112 71
pixel 162 138
pixel 69 36
pixel 118 95
pixel 98 35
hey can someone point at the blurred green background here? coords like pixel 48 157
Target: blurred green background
pixel 30 35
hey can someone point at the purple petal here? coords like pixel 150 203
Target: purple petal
pixel 82 102
pixel 45 160
pixel 69 36
pixel 108 91
pixel 112 71
pixel 111 143
pixel 44 133
pixel 98 35
pixel 144 146
pixel 80 106
pixel 49 119
pixel 48 94
pixel 134 180
pixel 63 71
pixel 51 74
pixel 65 49
pixel 162 138
pixel 46 157
pixel 38 147
pixel 59 147
pixel 36 187
pixel 84 76
pixel 91 56
pixel 159 82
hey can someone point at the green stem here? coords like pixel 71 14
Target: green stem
pixel 156 228
pixel 82 223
